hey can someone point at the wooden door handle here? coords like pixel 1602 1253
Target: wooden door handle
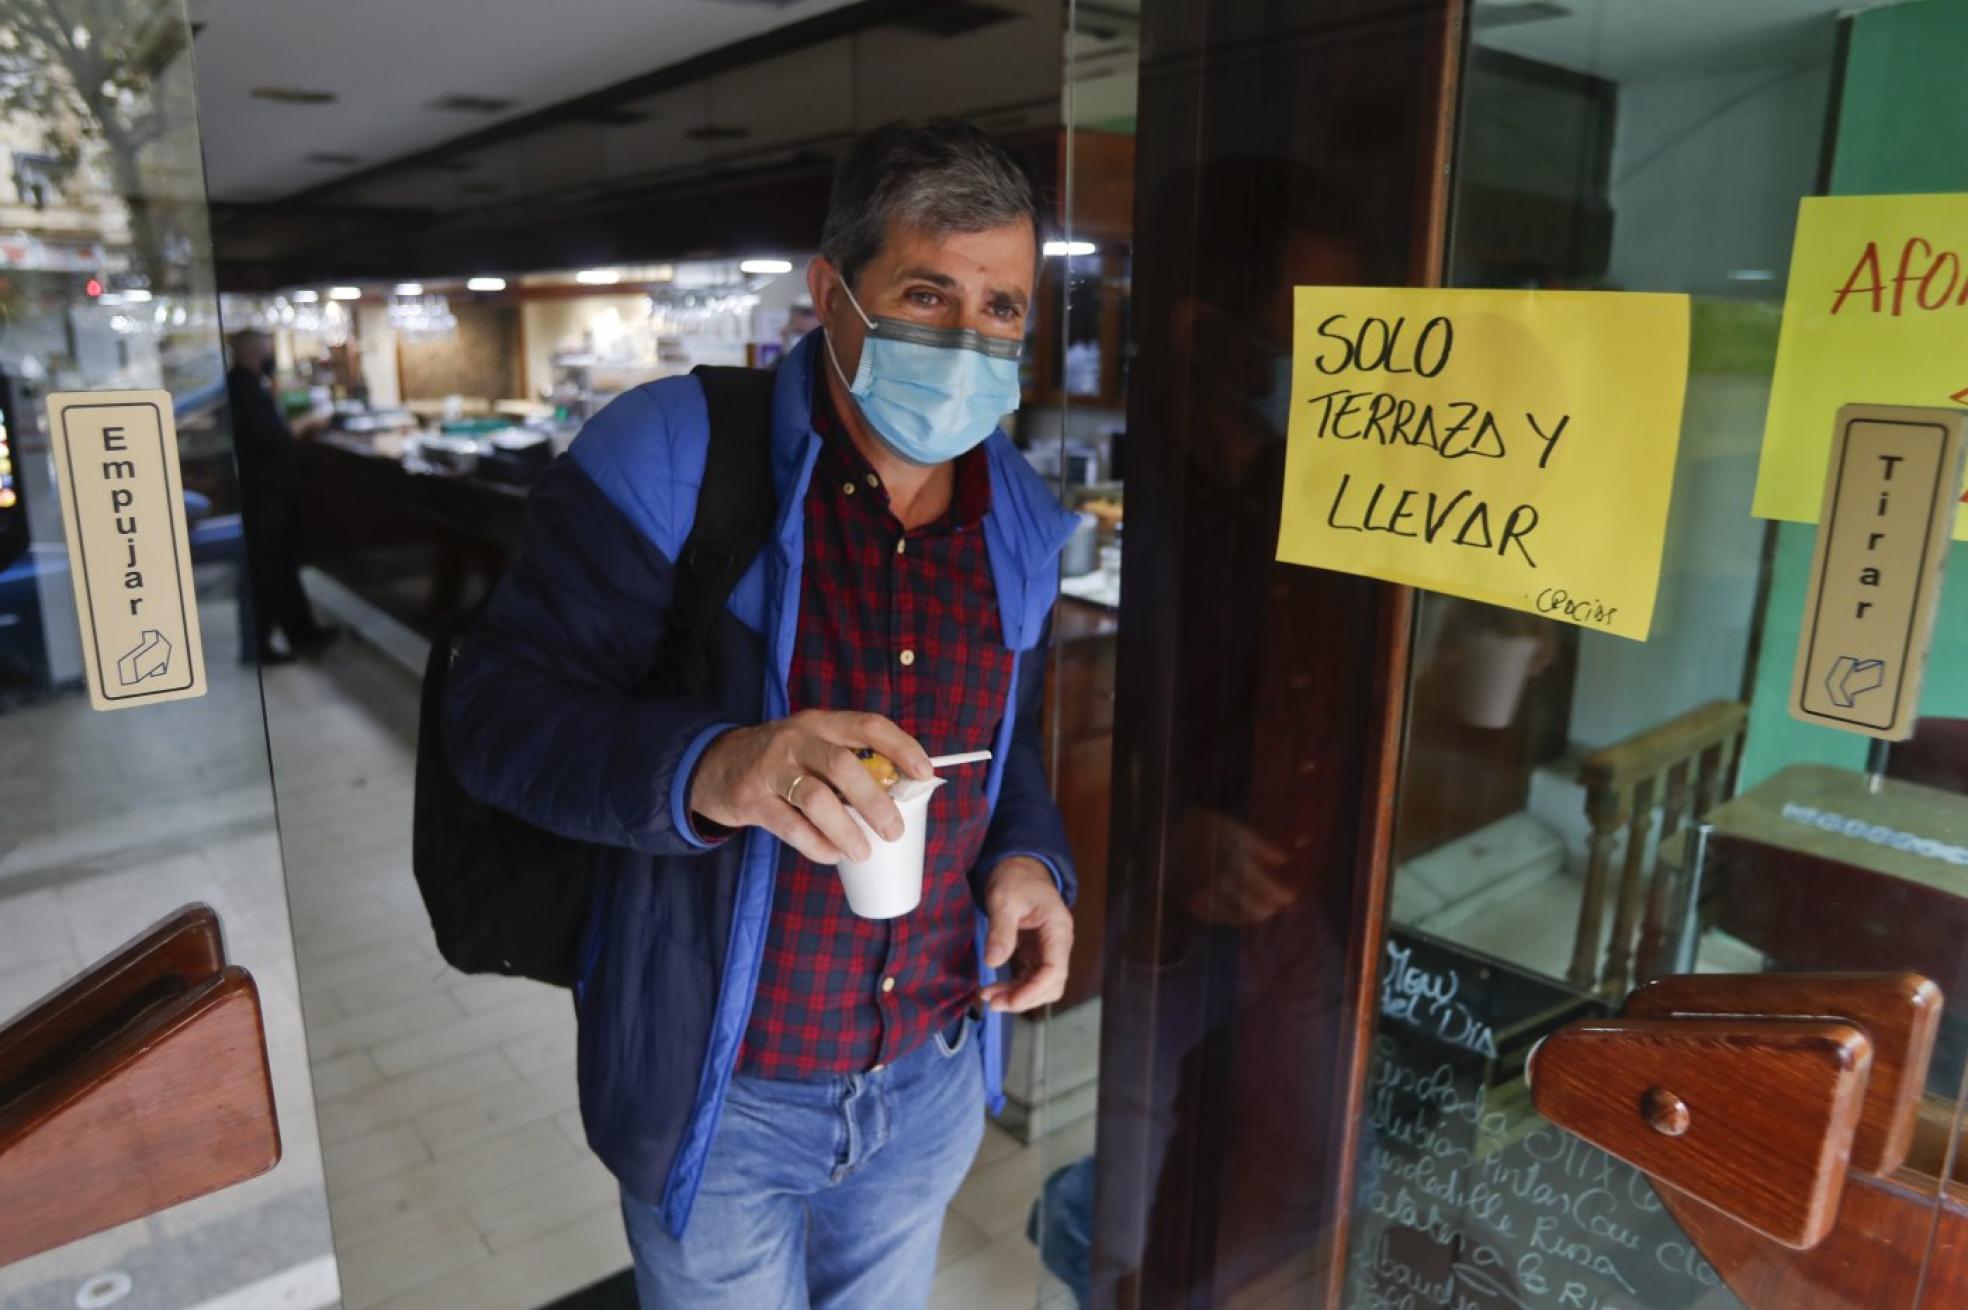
pixel 1753 1117
pixel 140 1084
pixel 1899 1012
pixel 1753 1094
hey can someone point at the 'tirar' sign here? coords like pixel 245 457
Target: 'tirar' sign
pixel 1876 575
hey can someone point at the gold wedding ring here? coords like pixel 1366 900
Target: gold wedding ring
pixel 792 787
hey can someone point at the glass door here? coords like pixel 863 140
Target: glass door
pixel 114 821
pixel 1579 815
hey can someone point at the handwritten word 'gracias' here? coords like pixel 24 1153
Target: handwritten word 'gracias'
pixel 1455 429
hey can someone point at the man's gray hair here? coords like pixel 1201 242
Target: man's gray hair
pixel 938 174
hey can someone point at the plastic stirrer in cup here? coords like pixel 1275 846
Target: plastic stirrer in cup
pixel 951 761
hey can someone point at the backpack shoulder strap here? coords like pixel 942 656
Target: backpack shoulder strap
pixel 734 516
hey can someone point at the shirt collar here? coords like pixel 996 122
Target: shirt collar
pixel 842 462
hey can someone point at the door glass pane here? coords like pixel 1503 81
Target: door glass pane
pixel 113 820
pixel 1579 813
pixel 1083 446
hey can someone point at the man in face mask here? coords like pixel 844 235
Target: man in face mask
pixel 789 1093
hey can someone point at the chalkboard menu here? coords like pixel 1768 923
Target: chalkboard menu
pixel 1468 1199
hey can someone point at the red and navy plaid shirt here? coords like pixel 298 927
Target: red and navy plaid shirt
pixel 907 625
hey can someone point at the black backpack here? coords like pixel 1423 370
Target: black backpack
pixel 507 897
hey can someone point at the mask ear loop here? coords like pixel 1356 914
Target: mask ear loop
pixel 828 337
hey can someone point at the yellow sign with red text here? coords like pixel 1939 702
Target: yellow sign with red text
pixel 1876 313
pixel 1512 447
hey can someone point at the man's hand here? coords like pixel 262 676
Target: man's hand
pixel 1029 922
pixel 789 776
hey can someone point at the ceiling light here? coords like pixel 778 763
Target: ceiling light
pixel 1512 13
pixel 472 104
pixel 1752 275
pixel 135 295
pixel 766 266
pixel 293 95
pixel 344 293
pixel 1054 249
pixel 305 297
pixel 598 277
pixel 409 288
pixel 485 284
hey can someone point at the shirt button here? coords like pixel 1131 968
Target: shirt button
pixel 878 1068
pixel 847 488
pixel 908 657
pixel 873 481
pixel 902 546
pixel 888 984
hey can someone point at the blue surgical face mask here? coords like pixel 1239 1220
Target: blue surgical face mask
pixel 931 393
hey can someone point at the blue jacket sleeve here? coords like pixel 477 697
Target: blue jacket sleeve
pixel 543 715
pixel 1027 821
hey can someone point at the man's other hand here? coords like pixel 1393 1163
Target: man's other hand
pixel 1032 930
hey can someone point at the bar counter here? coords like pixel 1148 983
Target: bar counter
pixel 416 545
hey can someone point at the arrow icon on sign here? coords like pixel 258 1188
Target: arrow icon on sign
pixel 149 658
pixel 1851 678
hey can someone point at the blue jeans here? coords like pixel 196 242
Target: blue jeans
pixel 826 1193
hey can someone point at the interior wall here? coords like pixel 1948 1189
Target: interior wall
pixel 480 360
pixel 378 341
pixel 553 327
pixel 1706 168
pixel 1724 154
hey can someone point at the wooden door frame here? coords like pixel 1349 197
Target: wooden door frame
pixel 1200 58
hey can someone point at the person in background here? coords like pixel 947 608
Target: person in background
pixel 790 1095
pixel 268 480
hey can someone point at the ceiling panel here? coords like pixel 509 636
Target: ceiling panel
pixel 387 60
pixel 1625 39
pixel 902 72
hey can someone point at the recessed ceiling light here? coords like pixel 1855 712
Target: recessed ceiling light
pixel 471 104
pixel 1055 249
pixel 766 266
pixel 344 293
pixel 485 284
pixel 293 95
pixel 1752 275
pixel 305 297
pixel 409 288
pixel 598 277
pixel 1512 13
pixel 135 295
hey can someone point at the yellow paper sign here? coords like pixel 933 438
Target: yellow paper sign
pixel 1514 447
pixel 1876 313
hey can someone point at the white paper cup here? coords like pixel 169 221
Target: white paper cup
pixel 1494 675
pixel 888 884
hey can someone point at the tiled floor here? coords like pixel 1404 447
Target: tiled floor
pixel 457 1174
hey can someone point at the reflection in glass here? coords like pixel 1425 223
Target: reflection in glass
pixel 114 820
pixel 1579 813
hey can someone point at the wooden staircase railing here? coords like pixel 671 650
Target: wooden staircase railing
pixel 1682 768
